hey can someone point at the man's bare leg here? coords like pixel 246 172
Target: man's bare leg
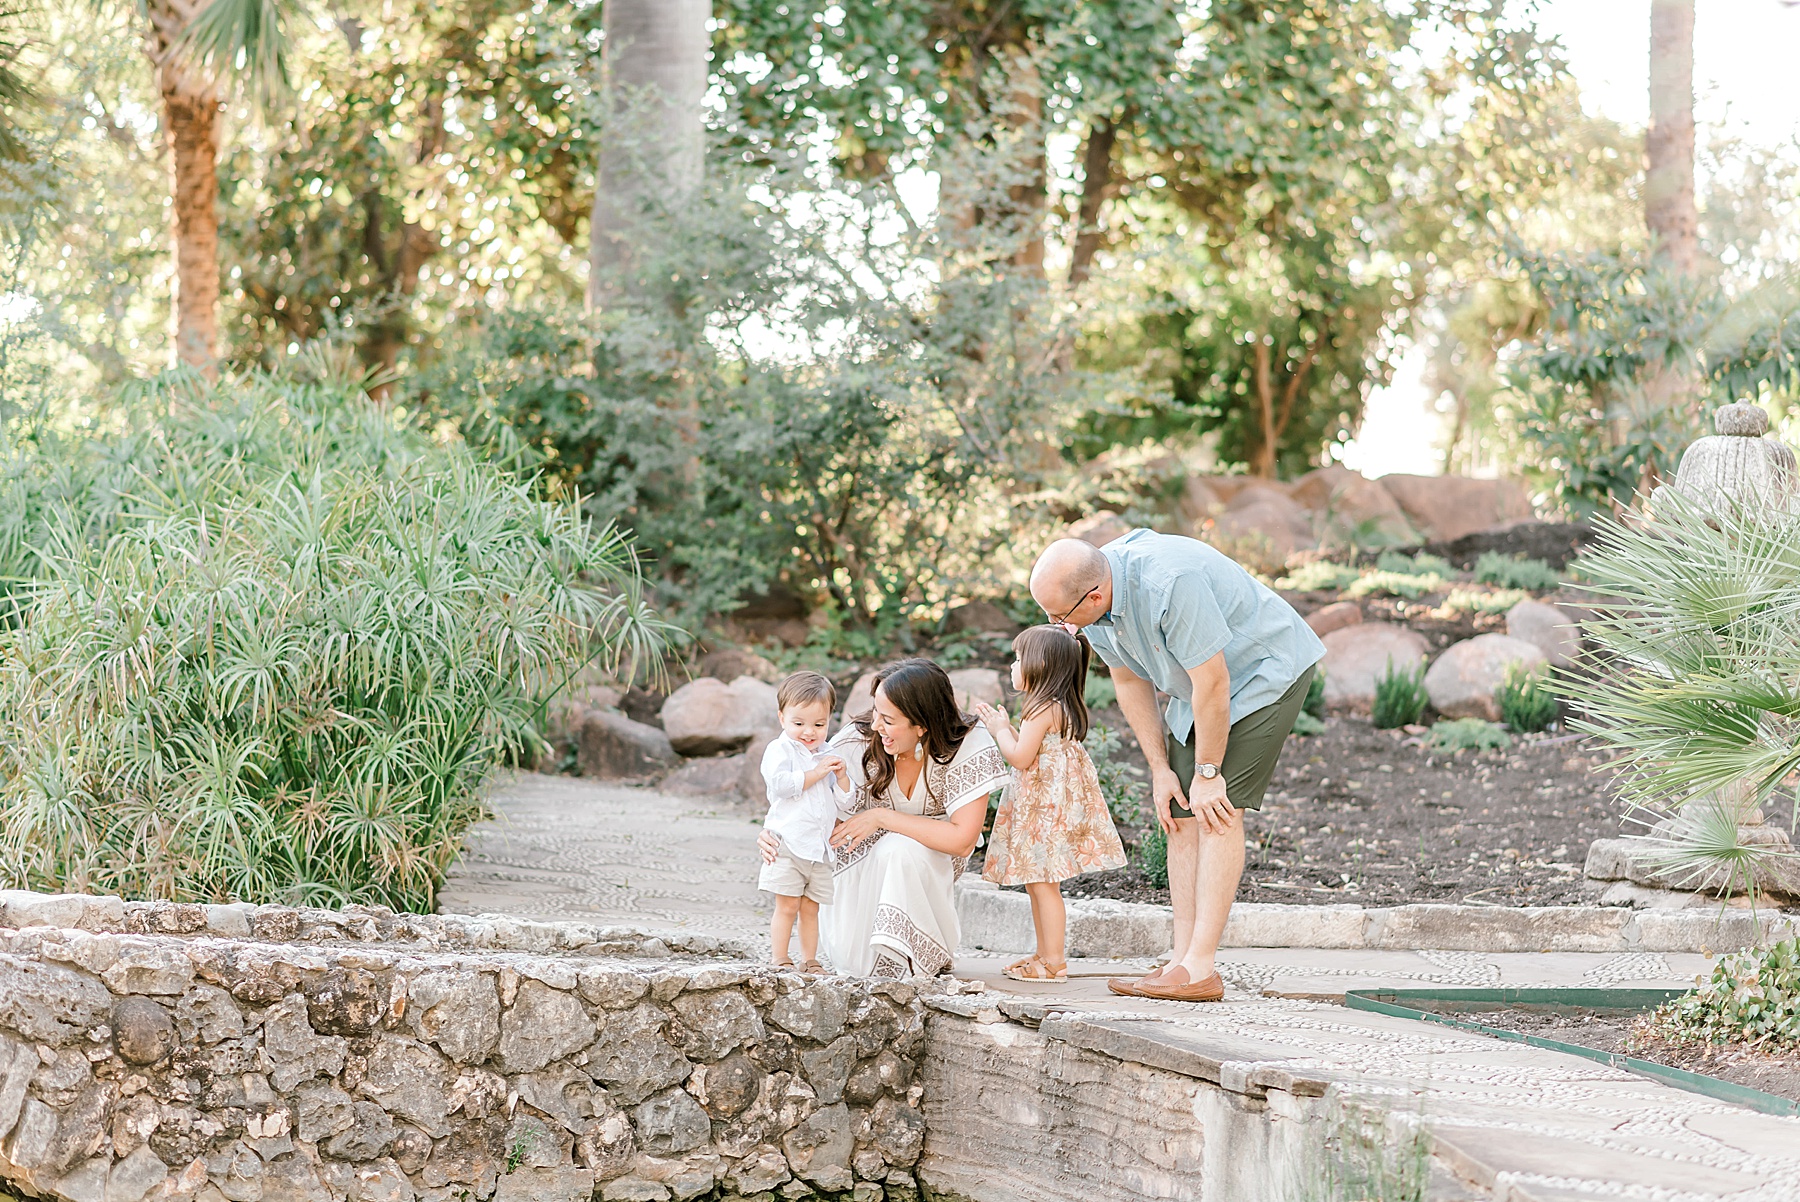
pixel 1184 863
pixel 1219 867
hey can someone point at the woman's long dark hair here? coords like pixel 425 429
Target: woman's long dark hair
pixel 1053 665
pixel 921 691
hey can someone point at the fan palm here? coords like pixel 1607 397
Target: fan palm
pixel 1699 630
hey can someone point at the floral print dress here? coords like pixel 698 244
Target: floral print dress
pixel 1052 823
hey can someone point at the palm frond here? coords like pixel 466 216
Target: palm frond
pixel 242 36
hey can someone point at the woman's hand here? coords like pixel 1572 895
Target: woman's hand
pixel 995 720
pixel 768 843
pixel 854 830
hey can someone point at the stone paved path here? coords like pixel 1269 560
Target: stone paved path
pixel 1531 1125
pixel 566 848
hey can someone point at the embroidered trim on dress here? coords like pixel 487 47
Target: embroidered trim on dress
pixel 929 956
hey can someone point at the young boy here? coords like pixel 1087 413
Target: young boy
pixel 806 785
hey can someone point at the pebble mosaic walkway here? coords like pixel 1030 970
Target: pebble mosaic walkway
pixel 1528 1125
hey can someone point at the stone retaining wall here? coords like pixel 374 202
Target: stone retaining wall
pixel 267 1054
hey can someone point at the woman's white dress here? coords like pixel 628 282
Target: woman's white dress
pixel 894 913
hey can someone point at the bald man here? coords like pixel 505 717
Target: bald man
pixel 1172 613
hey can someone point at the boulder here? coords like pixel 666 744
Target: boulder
pixel 1198 504
pixel 1263 527
pixel 1351 508
pixel 976 684
pixel 708 716
pixel 1226 488
pixel 979 617
pixel 611 746
pixel 1359 655
pixel 1550 628
pixel 715 776
pixel 1448 507
pixel 1099 528
pixel 862 696
pixel 1461 683
pixel 750 783
pixel 729 663
pixel 1335 616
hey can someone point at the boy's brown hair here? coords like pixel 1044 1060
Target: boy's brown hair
pixel 804 688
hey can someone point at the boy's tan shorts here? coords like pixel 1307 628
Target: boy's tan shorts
pixel 790 876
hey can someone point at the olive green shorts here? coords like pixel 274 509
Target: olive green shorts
pixel 1250 753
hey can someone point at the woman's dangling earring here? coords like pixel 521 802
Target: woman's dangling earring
pixel 919 750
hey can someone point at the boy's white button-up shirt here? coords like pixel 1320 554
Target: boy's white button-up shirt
pixel 802 817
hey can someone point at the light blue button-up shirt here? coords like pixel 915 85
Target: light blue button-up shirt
pixel 1176 603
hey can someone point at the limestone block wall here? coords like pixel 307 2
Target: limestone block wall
pixel 268 1054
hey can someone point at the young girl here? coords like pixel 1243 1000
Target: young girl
pixel 1052 823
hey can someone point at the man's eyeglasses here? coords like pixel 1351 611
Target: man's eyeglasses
pixel 1064 619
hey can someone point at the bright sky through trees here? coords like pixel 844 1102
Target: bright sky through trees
pixel 1744 86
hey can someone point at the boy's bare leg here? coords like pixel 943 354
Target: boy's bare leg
pixel 781 927
pixel 809 928
pixel 1050 919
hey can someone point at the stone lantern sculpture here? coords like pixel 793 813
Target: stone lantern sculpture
pixel 1737 468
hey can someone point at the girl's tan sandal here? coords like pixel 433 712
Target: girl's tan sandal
pixel 1035 969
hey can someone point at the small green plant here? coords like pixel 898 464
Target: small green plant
pixel 522 1146
pixel 1099 693
pixel 1320 576
pixel 1467 734
pixel 1152 854
pixel 1526 703
pixel 1119 783
pixel 1515 571
pixel 1400 697
pixel 1421 564
pixel 1472 600
pixel 1306 725
pixel 1396 584
pixel 1752 997
pixel 1315 696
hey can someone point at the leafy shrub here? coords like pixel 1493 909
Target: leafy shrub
pixel 1752 997
pixel 1315 696
pixel 1396 584
pixel 1525 703
pixel 1099 692
pixel 1319 576
pixel 296 638
pixel 1467 734
pixel 1400 698
pixel 1306 724
pixel 1469 600
pixel 1119 783
pixel 1421 564
pixel 1152 855
pixel 1515 571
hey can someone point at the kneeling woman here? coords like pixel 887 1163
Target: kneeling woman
pixel 922 774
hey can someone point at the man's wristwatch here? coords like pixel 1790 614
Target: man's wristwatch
pixel 1206 771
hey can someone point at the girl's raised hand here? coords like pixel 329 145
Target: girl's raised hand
pixel 992 718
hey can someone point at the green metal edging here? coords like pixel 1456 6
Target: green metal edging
pixel 1393 1002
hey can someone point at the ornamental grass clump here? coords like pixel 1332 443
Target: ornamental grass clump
pixel 279 654
pixel 1525 701
pixel 1400 698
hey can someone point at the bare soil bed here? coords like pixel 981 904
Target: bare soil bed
pixel 1775 1072
pixel 1374 817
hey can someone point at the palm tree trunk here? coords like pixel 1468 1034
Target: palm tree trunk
pixel 190 124
pixel 190 114
pixel 654 79
pixel 1669 209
